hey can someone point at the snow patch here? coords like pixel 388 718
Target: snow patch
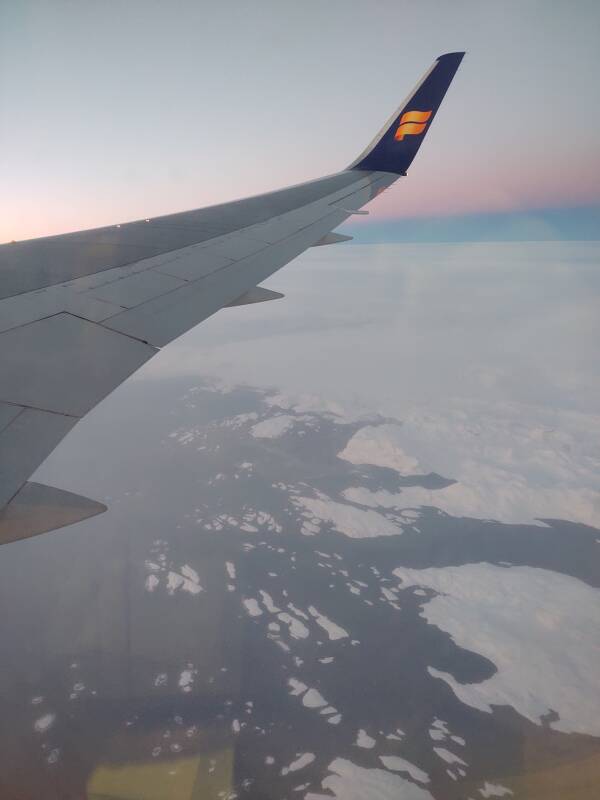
pixel 272 427
pixel 297 629
pixel 448 757
pixel 364 740
pixel 380 445
pixel 44 723
pixel 297 686
pixel 252 607
pixel 303 760
pixel 494 790
pixel 351 782
pixel 356 523
pixel 162 570
pixel 186 678
pixel 333 631
pixel 397 764
pixel 230 567
pixel 313 699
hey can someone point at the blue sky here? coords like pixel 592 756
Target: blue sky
pixel 538 225
pixel 120 110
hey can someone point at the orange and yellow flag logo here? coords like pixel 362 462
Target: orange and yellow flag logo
pixel 411 122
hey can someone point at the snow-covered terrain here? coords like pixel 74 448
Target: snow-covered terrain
pixel 538 628
pixel 272 427
pixel 499 391
pixel 306 586
pixel 354 522
pixel 382 446
pixel 509 462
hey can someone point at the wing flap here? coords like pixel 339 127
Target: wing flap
pixel 65 364
pixel 37 508
pixel 194 263
pixel 136 289
pixel 163 319
pixel 26 308
pixel 25 443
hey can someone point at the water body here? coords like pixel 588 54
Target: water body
pixel 352 547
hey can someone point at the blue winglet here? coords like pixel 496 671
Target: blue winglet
pixel 397 143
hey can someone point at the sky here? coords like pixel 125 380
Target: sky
pixel 113 111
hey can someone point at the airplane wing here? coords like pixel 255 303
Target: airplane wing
pixel 81 312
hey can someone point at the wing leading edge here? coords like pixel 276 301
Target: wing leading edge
pixel 81 312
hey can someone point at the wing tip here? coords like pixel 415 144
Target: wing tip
pixel 388 154
pixel 455 56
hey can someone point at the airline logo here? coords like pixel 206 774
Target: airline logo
pixel 411 123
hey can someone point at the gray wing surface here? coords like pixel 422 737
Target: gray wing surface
pixel 80 312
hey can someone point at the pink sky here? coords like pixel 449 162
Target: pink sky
pixel 428 190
